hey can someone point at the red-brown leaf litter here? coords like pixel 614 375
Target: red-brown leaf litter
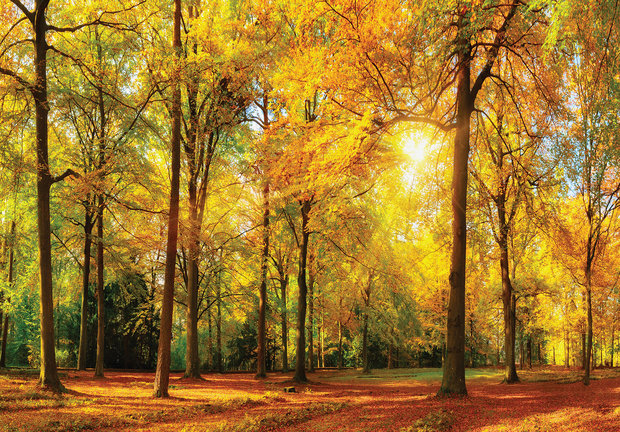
pixel 396 400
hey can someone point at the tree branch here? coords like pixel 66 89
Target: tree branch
pixel 497 43
pixel 67 173
pixel 16 77
pixel 25 11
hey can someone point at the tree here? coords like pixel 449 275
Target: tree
pixel 397 90
pixel 4 314
pixel 38 89
pixel 262 302
pixel 453 381
pixel 504 170
pixel 589 152
pixel 162 373
pixel 305 206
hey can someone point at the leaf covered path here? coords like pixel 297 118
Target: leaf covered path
pixel 397 400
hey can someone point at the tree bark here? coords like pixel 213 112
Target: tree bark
pixel 197 162
pixel 613 329
pixel 4 321
pixel 162 372
pixel 300 363
pixel 192 360
pixel 88 231
pixel 365 364
pixel 261 371
pixel 322 340
pixel 453 381
pixel 283 286
pixel 5 335
pixel 521 352
pixel 311 314
pixel 508 298
pixel 567 352
pixel 583 348
pixel 339 344
pixel 218 331
pixel 100 292
pixel 472 344
pixel 210 357
pixel 588 271
pixel 100 209
pixel 366 295
pixel 218 322
pixel 49 374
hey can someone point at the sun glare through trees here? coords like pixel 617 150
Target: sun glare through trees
pixel 417 145
pixel 270 215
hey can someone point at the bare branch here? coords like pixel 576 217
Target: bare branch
pixel 25 11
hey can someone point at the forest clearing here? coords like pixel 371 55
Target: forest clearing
pixel 402 400
pixel 406 211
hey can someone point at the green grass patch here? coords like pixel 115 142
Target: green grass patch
pixel 425 375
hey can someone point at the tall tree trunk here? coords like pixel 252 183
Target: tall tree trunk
pixel 100 209
pixel 194 147
pixel 322 339
pixel 192 359
pixel 583 349
pixel 5 335
pixel 613 329
pixel 472 343
pixel 210 357
pixel 49 373
pixel 5 322
pixel 529 351
pixel 365 364
pixel 100 293
pixel 510 369
pixel 283 286
pixel 453 381
pixel 218 321
pixel 88 231
pixel 340 345
pixel 366 292
pixel 311 314
pixel 521 351
pixel 218 332
pixel 261 371
pixel 162 372
pixel 300 361
pixel 588 271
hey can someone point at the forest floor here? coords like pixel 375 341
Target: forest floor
pixel 403 400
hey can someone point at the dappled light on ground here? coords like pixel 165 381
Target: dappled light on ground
pixel 397 400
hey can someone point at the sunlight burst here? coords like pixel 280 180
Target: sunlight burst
pixel 416 145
